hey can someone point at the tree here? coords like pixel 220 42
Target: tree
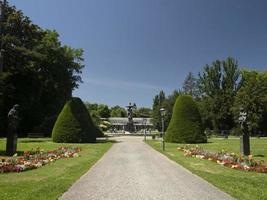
pixel 93 110
pixel 168 106
pixel 157 104
pixel 185 125
pixel 103 111
pixel 219 84
pixel 143 112
pixel 39 73
pixel 160 101
pixel 18 80
pixel 252 97
pixel 74 124
pixel 118 111
pixel 190 85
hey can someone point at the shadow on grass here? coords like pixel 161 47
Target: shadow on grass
pixel 3 153
pixel 106 141
pixel 259 155
pixel 33 141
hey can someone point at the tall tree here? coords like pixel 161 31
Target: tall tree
pixel 219 84
pixel 190 85
pixel 160 101
pixel 157 104
pixel 252 97
pixel 39 73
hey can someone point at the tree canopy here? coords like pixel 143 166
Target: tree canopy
pixel 252 97
pixel 219 91
pixel 218 84
pixel 39 73
pixel 161 101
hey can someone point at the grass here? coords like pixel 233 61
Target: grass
pixel 239 184
pixel 52 180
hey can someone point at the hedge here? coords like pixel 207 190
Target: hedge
pixel 185 125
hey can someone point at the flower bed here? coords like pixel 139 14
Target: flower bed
pixel 36 159
pixel 223 158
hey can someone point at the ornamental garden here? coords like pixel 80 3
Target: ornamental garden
pixel 49 138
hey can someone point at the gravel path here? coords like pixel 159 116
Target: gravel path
pixel 133 170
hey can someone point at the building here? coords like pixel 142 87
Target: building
pixel 121 123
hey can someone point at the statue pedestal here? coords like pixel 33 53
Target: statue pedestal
pixel 12 135
pixel 11 144
pixel 244 145
pixel 130 127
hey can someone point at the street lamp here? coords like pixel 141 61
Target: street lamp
pixel 162 114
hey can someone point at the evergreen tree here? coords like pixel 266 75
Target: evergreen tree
pixel 160 101
pixel 185 125
pixel 74 124
pixel 157 104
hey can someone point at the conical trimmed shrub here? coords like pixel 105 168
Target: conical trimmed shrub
pixel 74 124
pixel 185 125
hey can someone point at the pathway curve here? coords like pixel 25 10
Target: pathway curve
pixel 133 170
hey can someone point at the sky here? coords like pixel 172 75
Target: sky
pixel 135 48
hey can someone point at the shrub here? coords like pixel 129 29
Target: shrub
pixel 185 125
pixel 74 124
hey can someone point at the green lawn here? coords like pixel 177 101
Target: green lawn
pixel 52 180
pixel 239 184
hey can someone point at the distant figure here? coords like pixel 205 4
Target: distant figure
pixel 12 132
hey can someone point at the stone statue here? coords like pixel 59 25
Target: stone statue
pixel 12 132
pixel 130 112
pixel 130 126
pixel 242 120
pixel 244 139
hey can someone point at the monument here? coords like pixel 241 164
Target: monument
pixel 244 139
pixel 12 130
pixel 130 123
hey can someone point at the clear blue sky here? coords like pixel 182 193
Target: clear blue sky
pixel 134 48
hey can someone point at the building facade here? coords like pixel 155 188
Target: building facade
pixel 121 123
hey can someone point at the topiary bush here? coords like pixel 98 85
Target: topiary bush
pixel 74 124
pixel 185 125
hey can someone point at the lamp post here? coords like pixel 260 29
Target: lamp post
pixel 162 113
pixel 244 139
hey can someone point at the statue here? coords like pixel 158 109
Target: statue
pixel 130 126
pixel 12 132
pixel 130 112
pixel 242 120
pixel 244 139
